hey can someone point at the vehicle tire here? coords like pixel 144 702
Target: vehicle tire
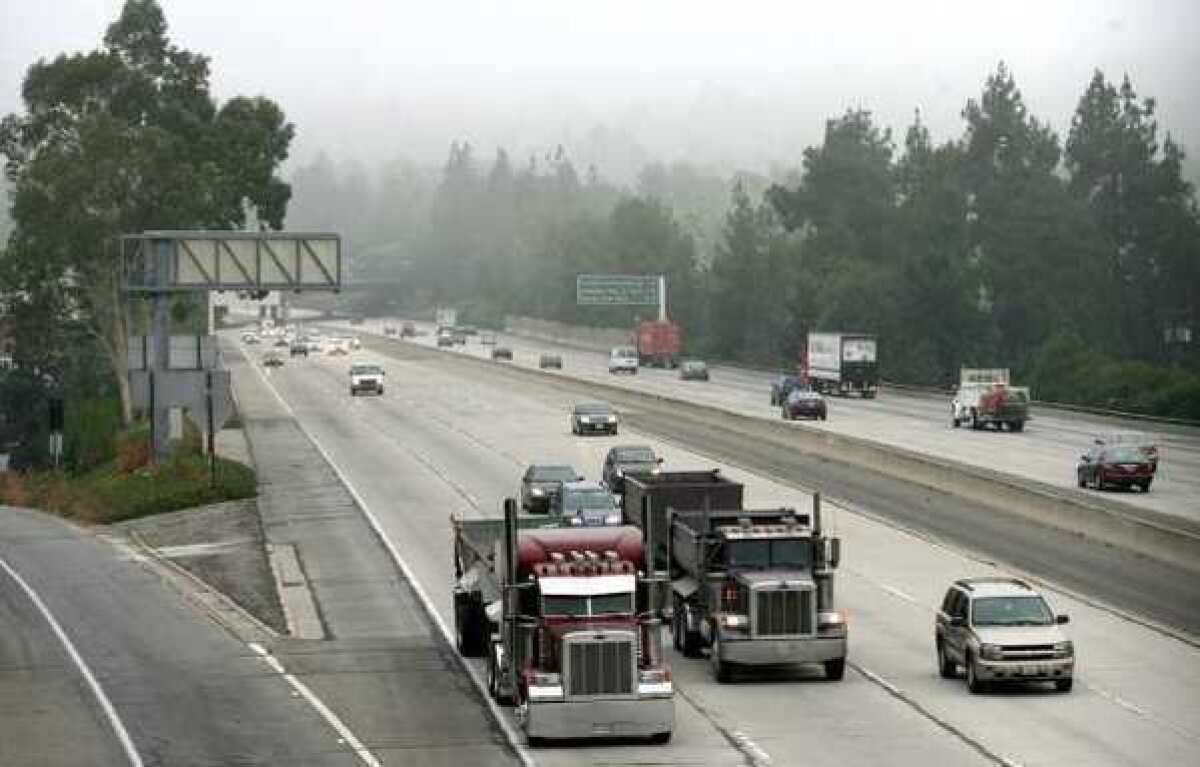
pixel 677 628
pixel 720 668
pixel 835 669
pixel 661 738
pixel 947 669
pixel 824 416
pixel 469 626
pixel 974 683
pixel 1017 426
pixel 783 413
pixel 380 391
pixel 1064 685
pixel 614 431
pixel 975 420
pixel 353 393
pixel 1081 479
pixel 1146 486
pixel 954 422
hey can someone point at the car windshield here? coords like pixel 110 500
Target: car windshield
pixel 624 352
pixel 635 455
pixel 553 474
pixel 593 409
pixel 1011 611
pixel 365 370
pixel 693 365
pixel 588 499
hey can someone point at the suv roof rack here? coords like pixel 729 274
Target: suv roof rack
pixel 970 583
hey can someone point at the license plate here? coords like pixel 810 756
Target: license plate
pixel 1034 671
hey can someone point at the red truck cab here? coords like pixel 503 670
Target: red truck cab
pixel 659 343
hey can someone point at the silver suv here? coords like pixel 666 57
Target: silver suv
pixel 1002 630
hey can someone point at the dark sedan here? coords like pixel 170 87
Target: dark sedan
pixel 541 482
pixel 1123 467
pixel 502 353
pixel 625 459
pixel 781 387
pixel 804 403
pixel 593 418
pixel 547 361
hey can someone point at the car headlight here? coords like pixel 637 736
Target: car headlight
pixel 732 621
pixel 585 419
pixel 544 686
pixel 577 521
pixel 613 518
pixel 539 492
pixel 1064 649
pixel 621 473
pixel 991 652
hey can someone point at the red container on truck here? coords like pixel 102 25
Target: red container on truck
pixel 659 343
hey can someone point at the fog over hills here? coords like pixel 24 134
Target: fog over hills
pixel 619 83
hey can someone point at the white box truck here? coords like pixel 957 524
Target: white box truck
pixel 841 363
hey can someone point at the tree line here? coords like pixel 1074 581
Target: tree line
pixel 1075 262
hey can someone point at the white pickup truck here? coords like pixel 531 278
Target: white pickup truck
pixel 366 378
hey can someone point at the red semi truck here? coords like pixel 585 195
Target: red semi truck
pixel 567 620
pixel 659 343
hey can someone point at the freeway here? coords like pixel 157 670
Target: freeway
pixel 451 438
pixel 1046 451
pixel 102 663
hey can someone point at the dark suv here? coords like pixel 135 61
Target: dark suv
pixel 627 458
pixel 1001 630
pixel 541 483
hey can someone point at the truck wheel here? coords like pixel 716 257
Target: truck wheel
pixel 835 669
pixel 677 628
pixel 720 668
pixel 946 667
pixel 954 422
pixel 1081 479
pixel 1146 486
pixel 661 738
pixel 1064 685
pixel 975 420
pixel 1017 426
pixel 469 622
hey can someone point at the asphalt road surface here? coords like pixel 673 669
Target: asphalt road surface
pixel 142 678
pixel 1048 450
pixel 447 439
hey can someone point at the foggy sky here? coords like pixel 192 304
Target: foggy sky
pixel 735 85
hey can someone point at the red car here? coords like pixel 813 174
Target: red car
pixel 1125 467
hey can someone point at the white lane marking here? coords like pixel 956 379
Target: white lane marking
pixel 899 594
pixel 1144 713
pixel 105 704
pixel 344 732
pixel 757 755
pixel 505 724
pixel 900 695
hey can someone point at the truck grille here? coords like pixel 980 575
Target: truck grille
pixel 603 667
pixel 780 612
pixel 1029 652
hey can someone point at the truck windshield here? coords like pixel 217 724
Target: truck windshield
pixel 793 554
pixel 580 606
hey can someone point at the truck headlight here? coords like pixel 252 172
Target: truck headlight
pixel 584 419
pixel 830 620
pixel 733 621
pixel 613 518
pixel 544 686
pixel 1064 649
pixel 655 682
pixel 611 419
pixel 991 652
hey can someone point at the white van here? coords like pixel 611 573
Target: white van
pixel 623 359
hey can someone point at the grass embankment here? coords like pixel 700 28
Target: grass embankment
pixel 129 486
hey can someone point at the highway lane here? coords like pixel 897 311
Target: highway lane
pixel 186 691
pixel 1047 451
pixel 468 434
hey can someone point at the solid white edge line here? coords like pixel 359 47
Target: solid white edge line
pixel 344 732
pixel 510 733
pixel 105 704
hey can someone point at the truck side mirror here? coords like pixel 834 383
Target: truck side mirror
pixel 1061 619
pixel 658 460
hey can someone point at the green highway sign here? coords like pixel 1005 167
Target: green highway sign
pixel 616 290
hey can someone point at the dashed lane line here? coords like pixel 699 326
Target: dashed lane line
pixel 345 735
